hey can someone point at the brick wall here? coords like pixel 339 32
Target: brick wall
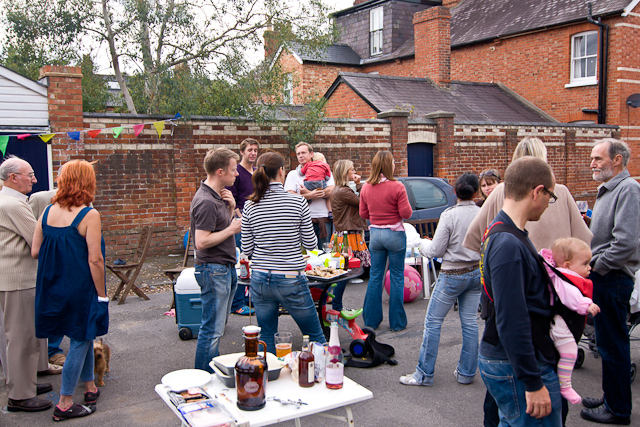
pixel 433 45
pixel 344 103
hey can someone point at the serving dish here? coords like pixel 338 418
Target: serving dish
pixel 224 367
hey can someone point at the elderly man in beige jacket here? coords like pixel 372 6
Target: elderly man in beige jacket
pixel 17 288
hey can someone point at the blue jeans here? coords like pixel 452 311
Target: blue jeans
pixel 269 291
pixel 316 230
pixel 313 185
pixel 386 244
pixel 239 298
pixel 54 345
pixel 509 393
pixel 78 366
pixel 218 284
pixel 338 292
pixel 612 292
pixel 466 289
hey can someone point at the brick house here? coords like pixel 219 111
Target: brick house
pixel 547 51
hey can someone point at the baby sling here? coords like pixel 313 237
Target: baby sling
pixel 539 324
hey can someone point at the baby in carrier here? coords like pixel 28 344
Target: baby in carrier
pixel 571 257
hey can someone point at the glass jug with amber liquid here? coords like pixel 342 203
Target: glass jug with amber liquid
pixel 252 372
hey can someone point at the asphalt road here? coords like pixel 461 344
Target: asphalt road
pixel 145 346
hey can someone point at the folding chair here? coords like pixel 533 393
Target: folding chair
pixel 173 273
pixel 425 228
pixel 123 272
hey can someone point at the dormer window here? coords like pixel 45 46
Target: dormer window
pixel 376 18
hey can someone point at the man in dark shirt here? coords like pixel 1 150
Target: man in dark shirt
pixel 241 189
pixel 516 354
pixel 213 226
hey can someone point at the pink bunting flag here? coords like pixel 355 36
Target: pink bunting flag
pixel 23 136
pixel 94 132
pixel 137 129
pixel 46 137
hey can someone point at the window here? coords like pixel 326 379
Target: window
pixel 288 89
pixel 584 58
pixel 375 31
pixel 426 194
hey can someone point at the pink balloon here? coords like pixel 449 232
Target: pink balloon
pixel 412 283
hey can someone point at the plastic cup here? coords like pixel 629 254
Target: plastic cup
pixel 283 343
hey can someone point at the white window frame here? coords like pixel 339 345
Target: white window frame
pixel 575 57
pixel 288 89
pixel 376 24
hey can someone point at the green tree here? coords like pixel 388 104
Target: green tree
pixel 156 36
pixel 95 93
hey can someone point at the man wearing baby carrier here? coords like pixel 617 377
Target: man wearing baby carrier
pixel 517 356
pixel 616 257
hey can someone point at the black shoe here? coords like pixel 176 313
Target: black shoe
pixel 75 411
pixel 602 415
pixel 28 405
pixel 43 388
pixel 592 402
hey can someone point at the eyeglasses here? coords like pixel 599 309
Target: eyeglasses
pixel 30 174
pixel 490 172
pixel 553 197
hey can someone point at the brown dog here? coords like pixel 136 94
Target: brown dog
pixel 102 354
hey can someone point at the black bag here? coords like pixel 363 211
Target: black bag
pixel 379 353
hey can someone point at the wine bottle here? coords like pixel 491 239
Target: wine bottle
pixel 334 367
pixel 306 365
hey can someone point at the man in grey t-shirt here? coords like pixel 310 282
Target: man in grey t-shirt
pixel 213 228
pixel 615 225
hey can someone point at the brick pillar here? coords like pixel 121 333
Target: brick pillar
pixel 444 157
pixel 510 144
pixel 399 137
pixel 450 3
pixel 64 98
pixel 432 28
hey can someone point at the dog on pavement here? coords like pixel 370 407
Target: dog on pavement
pixel 102 354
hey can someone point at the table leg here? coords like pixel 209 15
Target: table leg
pixel 348 419
pixel 297 420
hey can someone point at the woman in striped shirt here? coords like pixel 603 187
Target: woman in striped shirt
pixel 274 224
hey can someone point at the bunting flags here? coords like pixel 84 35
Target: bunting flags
pixel 46 137
pixel 137 129
pixel 92 133
pixel 4 140
pixel 159 126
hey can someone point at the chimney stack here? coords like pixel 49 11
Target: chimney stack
pixel 450 3
pixel 357 2
pixel 270 42
pixel 432 29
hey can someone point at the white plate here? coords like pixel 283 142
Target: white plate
pixel 186 378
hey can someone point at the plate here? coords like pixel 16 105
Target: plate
pixel 326 279
pixel 186 378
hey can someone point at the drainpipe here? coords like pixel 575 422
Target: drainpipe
pixel 603 37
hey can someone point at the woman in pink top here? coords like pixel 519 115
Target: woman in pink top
pixel 384 202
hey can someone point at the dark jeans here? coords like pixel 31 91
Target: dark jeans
pixel 54 345
pixel 241 297
pixel 612 292
pixel 316 229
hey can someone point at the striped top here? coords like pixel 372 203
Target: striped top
pixel 274 228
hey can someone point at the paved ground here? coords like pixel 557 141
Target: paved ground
pixel 145 346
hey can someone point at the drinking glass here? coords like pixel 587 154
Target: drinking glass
pixel 283 343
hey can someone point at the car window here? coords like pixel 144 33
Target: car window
pixel 426 194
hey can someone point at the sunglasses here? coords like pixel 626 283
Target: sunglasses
pixel 490 172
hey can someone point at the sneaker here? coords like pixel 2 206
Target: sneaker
pixel 74 411
pixel 244 311
pixel 410 380
pixel 461 378
pixel 90 398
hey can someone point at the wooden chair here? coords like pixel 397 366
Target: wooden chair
pixel 173 273
pixel 425 228
pixel 123 272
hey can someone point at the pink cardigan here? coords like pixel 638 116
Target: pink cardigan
pixel 385 203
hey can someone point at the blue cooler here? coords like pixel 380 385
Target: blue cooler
pixel 188 304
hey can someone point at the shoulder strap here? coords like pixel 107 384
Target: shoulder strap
pixel 80 216
pixel 45 215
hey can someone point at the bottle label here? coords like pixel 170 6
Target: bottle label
pixel 251 387
pixel 311 373
pixel 334 373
